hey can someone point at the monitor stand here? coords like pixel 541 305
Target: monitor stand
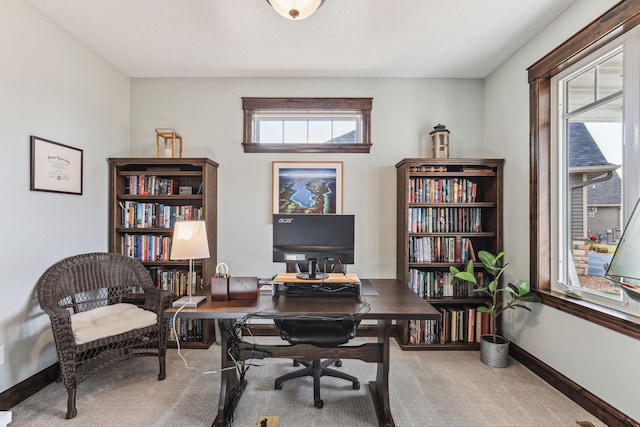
pixel 318 276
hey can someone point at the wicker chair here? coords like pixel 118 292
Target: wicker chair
pixel 83 285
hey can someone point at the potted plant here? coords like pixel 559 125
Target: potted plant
pixel 494 349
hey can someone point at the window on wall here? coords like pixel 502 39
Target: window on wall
pixel 589 115
pixel 574 90
pixel 325 125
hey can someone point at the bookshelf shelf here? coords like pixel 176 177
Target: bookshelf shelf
pixel 453 204
pixel 175 197
pixel 448 209
pixel 144 202
pixel 133 230
pixel 161 171
pixel 461 234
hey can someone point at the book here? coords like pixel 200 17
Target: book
pixel 480 170
pixel 444 325
pixel 470 252
pixel 471 323
pixel 425 168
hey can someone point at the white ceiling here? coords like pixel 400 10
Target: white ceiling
pixel 344 38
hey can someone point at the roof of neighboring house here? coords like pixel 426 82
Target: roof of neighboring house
pixel 605 192
pixel 583 151
pixel 345 138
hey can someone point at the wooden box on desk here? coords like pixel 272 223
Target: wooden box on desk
pixel 246 288
pixel 238 288
pixel 219 288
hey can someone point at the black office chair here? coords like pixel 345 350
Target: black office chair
pixel 321 333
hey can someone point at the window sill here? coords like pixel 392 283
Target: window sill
pixel 609 318
pixel 305 148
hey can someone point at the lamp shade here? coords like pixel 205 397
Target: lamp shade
pixel 189 240
pixel 295 9
pixel 625 265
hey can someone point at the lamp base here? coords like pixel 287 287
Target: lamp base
pixel 189 302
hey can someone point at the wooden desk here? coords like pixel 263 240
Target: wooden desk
pixel 394 301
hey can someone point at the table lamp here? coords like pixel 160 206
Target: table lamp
pixel 624 268
pixel 189 242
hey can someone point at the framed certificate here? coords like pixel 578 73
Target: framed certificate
pixel 55 167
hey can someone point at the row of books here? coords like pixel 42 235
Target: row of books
pixel 445 190
pixel 440 249
pixel 434 284
pixel 427 168
pixel 458 324
pixel 187 329
pixel 175 280
pixel 156 215
pixel 151 185
pixel 146 247
pixel 445 220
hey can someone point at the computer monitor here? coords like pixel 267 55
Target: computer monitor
pixel 322 240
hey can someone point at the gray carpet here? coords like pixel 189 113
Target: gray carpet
pixel 427 389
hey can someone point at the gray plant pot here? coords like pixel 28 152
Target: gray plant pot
pixel 494 354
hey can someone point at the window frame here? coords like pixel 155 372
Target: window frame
pixel 618 20
pixel 560 235
pixel 250 106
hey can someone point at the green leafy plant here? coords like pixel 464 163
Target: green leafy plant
pixel 517 293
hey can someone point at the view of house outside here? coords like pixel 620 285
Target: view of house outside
pixel 595 156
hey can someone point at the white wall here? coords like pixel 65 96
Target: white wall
pixel 597 358
pixel 53 87
pixel 208 115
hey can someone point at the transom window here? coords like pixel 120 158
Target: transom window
pixel 307 125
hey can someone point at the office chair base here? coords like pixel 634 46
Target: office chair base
pixel 336 362
pixel 317 369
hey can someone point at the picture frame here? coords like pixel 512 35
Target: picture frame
pixel 307 187
pixel 55 167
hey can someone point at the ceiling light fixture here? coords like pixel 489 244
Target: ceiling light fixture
pixel 295 9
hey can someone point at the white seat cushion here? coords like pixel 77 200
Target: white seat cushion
pixel 109 320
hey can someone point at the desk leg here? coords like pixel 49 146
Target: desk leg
pixel 231 386
pixel 380 388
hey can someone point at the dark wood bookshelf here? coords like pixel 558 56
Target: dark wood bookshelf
pixel 198 173
pixel 486 177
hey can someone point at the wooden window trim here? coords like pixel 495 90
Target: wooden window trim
pixel 616 21
pixel 250 105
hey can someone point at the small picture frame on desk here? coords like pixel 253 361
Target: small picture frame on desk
pixel 55 167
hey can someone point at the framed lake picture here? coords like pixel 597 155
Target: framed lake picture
pixel 307 187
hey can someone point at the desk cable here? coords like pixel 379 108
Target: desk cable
pixel 234 334
pixel 186 364
pixel 363 308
